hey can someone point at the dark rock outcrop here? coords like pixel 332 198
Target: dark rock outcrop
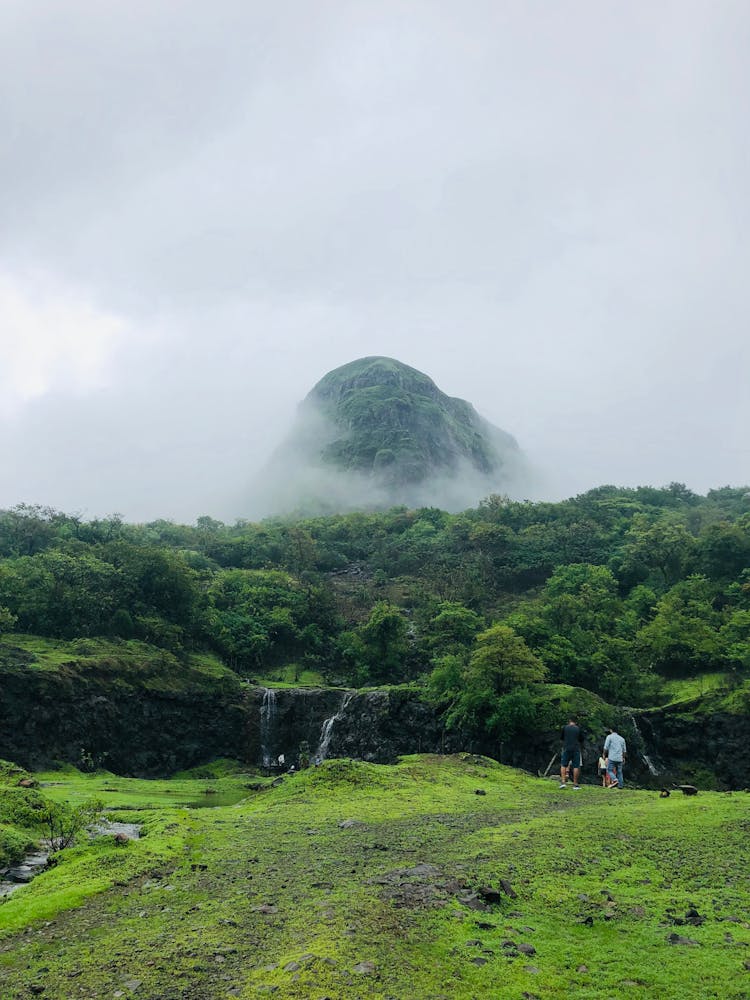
pixel 102 716
pixel 82 714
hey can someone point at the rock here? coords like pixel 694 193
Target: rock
pixel 508 889
pixel 26 783
pixel 693 917
pixel 266 908
pixel 132 984
pixel 687 789
pixel 491 896
pixel 20 874
pixel 121 839
pixel 582 968
pixel 527 949
pixel 531 969
pixel 479 960
pixel 479 791
pixel 292 967
pixel 351 824
pixel 36 988
pixel 746 965
pixel 365 968
pixel 679 939
pixel 420 869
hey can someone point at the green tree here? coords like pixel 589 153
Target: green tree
pixel 683 636
pixel 385 643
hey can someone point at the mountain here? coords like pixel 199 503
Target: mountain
pixel 376 433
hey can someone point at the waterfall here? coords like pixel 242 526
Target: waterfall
pixel 267 720
pixel 653 769
pixel 327 730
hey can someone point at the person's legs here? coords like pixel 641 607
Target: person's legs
pixel 576 767
pixel 611 773
pixel 564 764
pixel 620 779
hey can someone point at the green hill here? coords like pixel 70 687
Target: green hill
pixel 448 877
pixel 378 433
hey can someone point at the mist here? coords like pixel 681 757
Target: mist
pixel 204 210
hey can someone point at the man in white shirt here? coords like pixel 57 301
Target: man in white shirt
pixel 615 750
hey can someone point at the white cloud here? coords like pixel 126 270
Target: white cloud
pixel 53 338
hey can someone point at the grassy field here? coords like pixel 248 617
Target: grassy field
pixel 363 881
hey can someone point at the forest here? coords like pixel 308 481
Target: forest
pixel 618 591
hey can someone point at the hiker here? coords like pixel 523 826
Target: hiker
pixel 615 750
pixel 572 740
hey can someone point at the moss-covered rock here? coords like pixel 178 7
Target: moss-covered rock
pixel 376 433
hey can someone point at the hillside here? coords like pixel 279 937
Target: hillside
pixel 452 878
pixel 155 643
pixel 378 433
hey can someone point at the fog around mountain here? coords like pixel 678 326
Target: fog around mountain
pixel 543 208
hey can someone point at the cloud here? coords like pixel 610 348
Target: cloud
pixel 53 337
pixel 544 209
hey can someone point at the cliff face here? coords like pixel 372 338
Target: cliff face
pixel 376 432
pixel 138 724
pixel 131 722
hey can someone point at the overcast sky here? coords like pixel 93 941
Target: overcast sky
pixel 205 207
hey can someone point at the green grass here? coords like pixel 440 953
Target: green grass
pixel 682 689
pixel 275 894
pixel 128 662
pixel 291 676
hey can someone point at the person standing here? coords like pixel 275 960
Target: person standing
pixel 572 740
pixel 615 750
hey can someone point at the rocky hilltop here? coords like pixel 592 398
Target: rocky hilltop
pixel 378 433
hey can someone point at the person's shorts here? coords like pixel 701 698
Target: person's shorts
pixel 571 757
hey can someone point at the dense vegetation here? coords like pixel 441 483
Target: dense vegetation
pixel 616 590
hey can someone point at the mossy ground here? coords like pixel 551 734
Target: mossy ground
pixel 273 895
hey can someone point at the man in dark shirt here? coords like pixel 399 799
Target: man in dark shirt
pixel 572 740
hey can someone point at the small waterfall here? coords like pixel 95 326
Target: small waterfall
pixel 653 769
pixel 327 730
pixel 267 722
